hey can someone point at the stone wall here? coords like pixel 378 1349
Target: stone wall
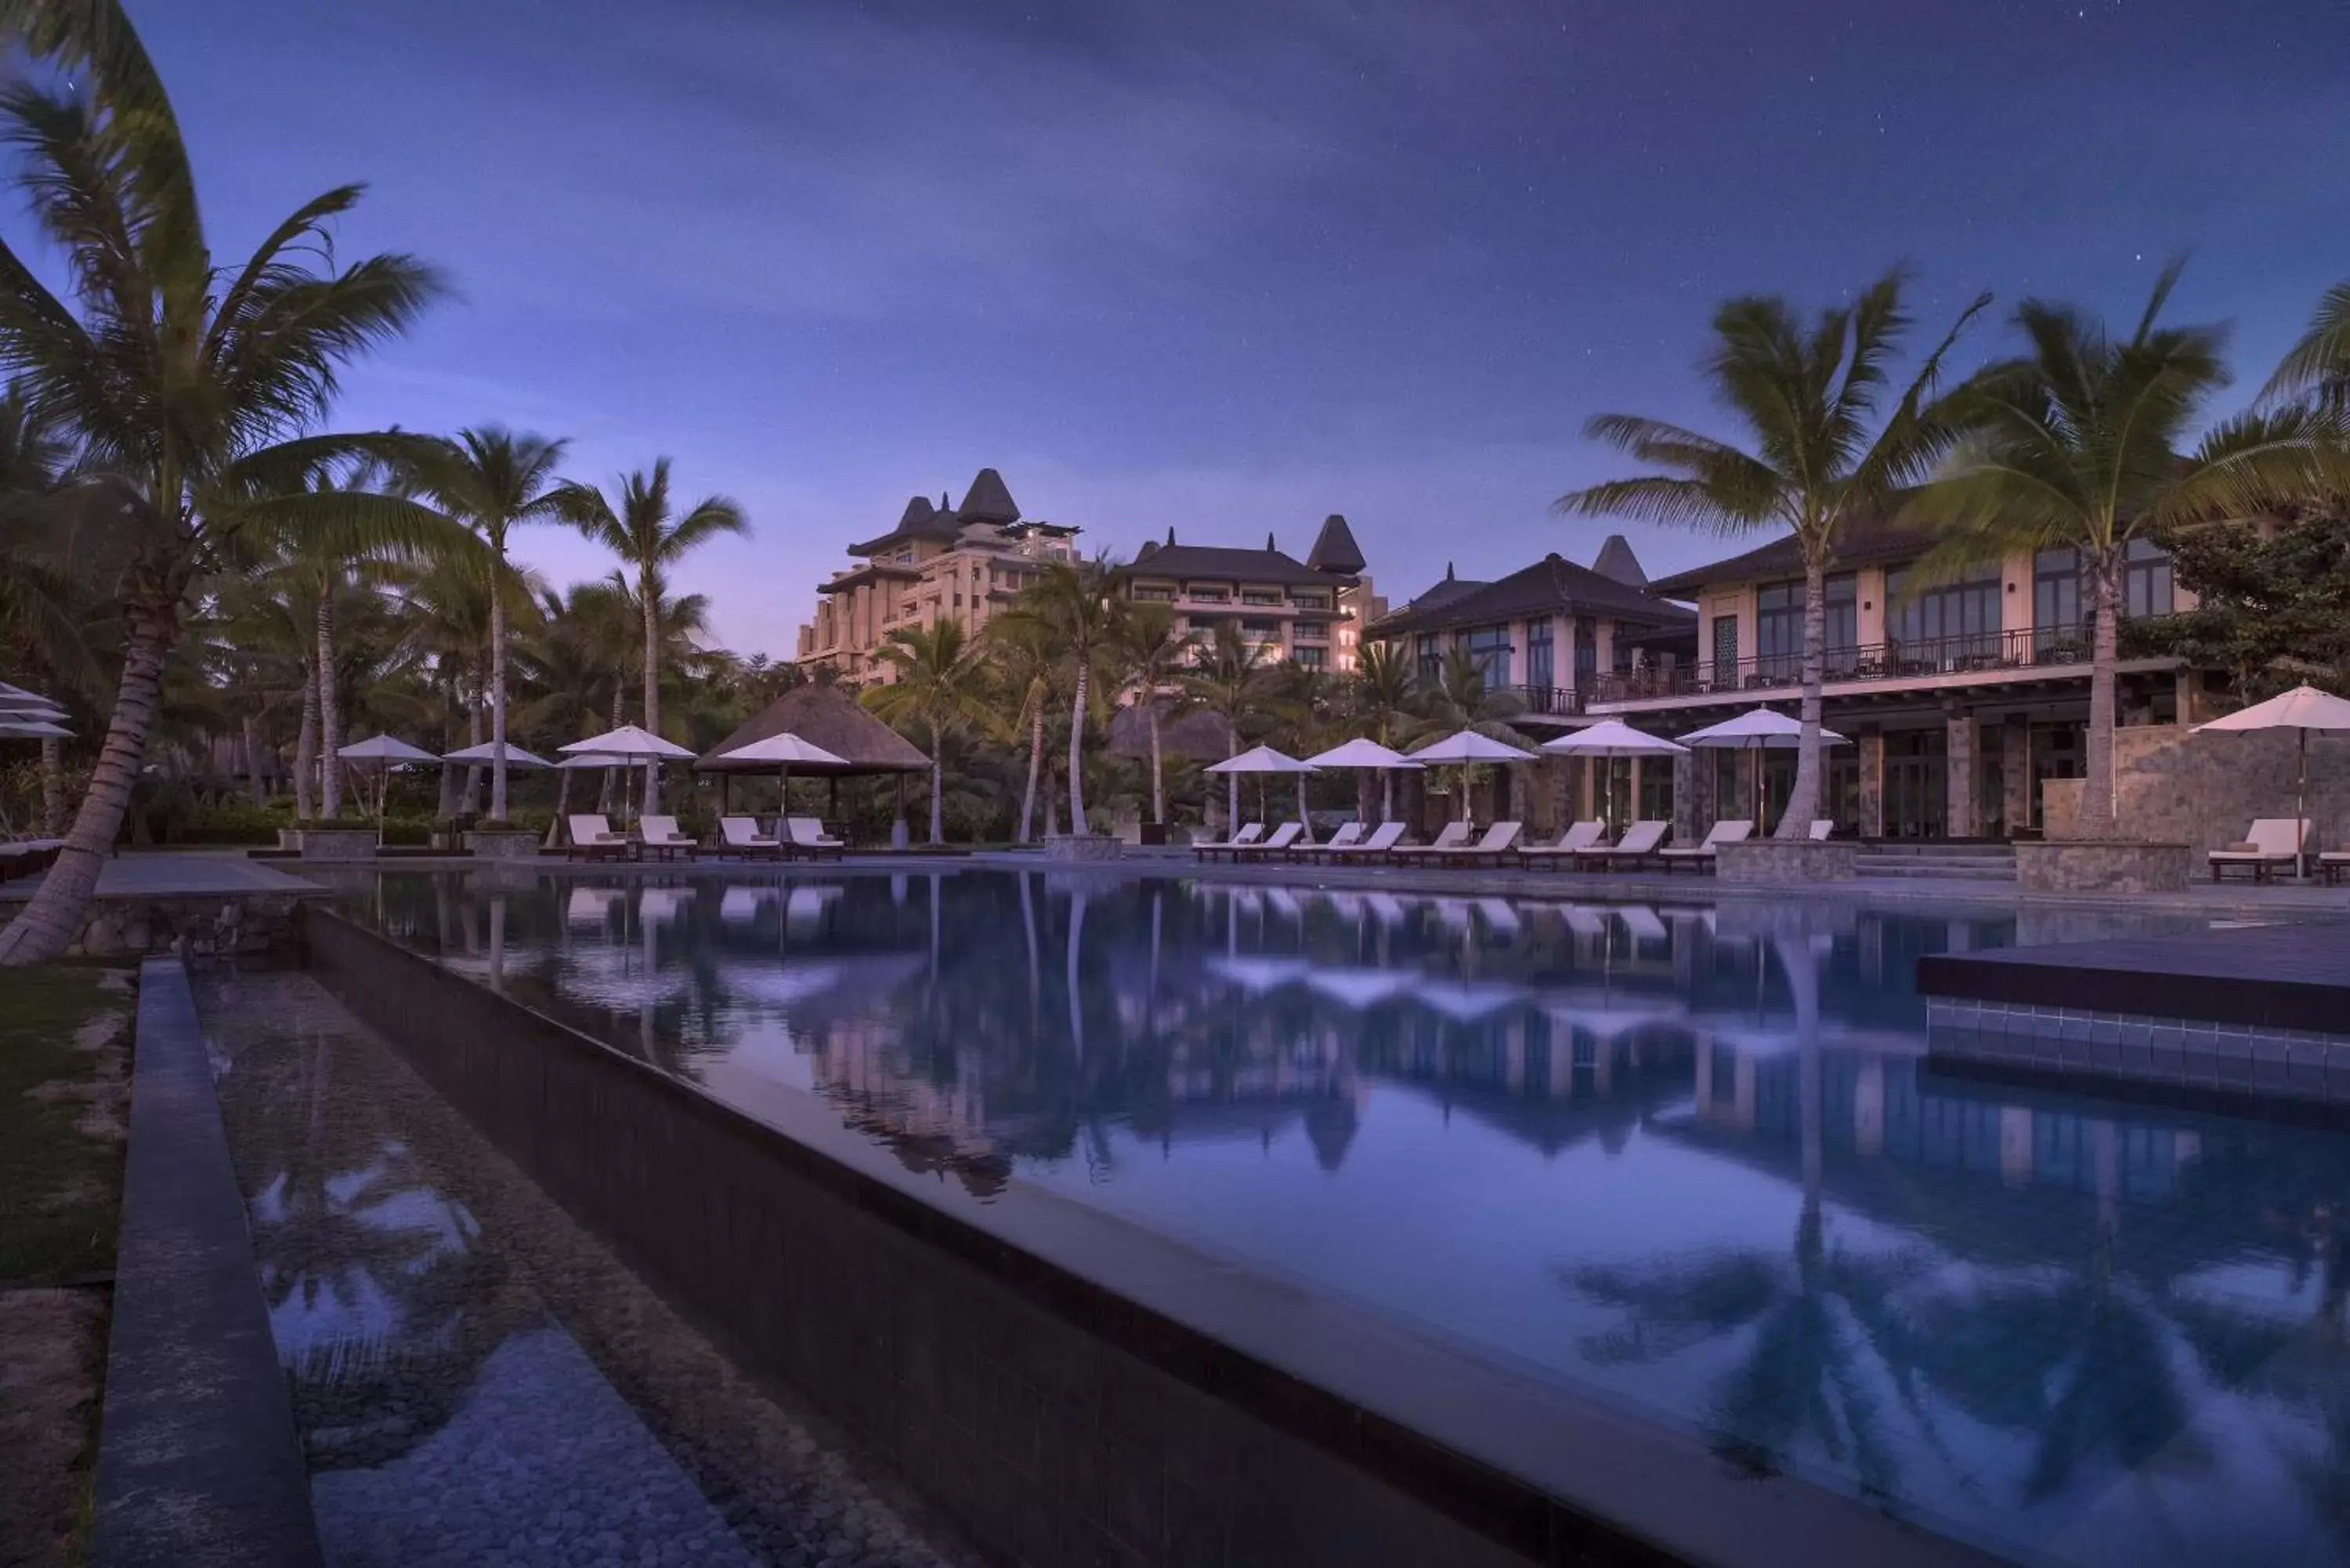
pixel 2204 791
pixel 248 925
pixel 1777 861
pixel 2071 866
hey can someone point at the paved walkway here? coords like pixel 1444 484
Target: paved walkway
pixel 177 873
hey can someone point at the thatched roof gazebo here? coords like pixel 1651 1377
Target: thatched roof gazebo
pixel 822 712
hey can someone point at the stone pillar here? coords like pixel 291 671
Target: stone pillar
pixel 1749 758
pixel 1961 750
pixel 1692 795
pixel 1632 805
pixel 1872 783
pixel 2015 772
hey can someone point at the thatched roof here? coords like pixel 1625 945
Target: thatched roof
pixel 831 718
pixel 1198 734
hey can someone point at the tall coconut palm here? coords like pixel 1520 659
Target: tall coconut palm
pixel 1820 458
pixel 194 392
pixel 2319 360
pixel 575 670
pixel 936 686
pixel 1151 656
pixel 1381 698
pixel 2078 443
pixel 1026 660
pixel 1071 602
pixel 636 523
pixel 494 481
pixel 1229 679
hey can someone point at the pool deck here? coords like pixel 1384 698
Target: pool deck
pixel 179 874
pixel 2272 977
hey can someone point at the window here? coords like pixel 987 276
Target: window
pixel 1489 646
pixel 1725 649
pixel 1258 627
pixel 1310 601
pixel 1259 596
pixel 1314 630
pixel 1587 652
pixel 1428 653
pixel 1154 595
pixel 1200 594
pixel 1778 631
pixel 2056 615
pixel 1945 626
pixel 1539 672
pixel 1619 650
pixel 2146 588
pixel 1307 657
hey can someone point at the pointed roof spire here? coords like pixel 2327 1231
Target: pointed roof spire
pixel 918 511
pixel 1170 533
pixel 1335 549
pixel 1616 563
pixel 1447 571
pixel 987 500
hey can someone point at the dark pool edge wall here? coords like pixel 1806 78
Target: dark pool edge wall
pixel 198 1464
pixel 1060 1421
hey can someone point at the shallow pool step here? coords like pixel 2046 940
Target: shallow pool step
pixel 1938 862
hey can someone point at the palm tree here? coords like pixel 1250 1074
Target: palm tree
pixel 577 671
pixel 2319 360
pixel 1458 698
pixel 1228 680
pixel 637 524
pixel 1151 656
pixel 1807 399
pixel 1025 659
pixel 937 687
pixel 2077 443
pixel 193 391
pixel 1382 697
pixel 1071 603
pixel 493 480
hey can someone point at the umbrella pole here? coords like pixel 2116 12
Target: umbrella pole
pixel 2301 812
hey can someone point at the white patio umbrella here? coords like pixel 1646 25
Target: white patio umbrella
pixel 783 750
pixel 2302 708
pixel 12 728
pixel 1610 739
pixel 1366 752
pixel 630 743
pixel 385 752
pixel 485 753
pixel 1756 730
pixel 1264 760
pixel 1464 747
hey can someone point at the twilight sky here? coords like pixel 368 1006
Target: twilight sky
pixel 1225 265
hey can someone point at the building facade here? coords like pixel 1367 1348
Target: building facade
pixel 1963 697
pixel 963 563
pixel 1309 613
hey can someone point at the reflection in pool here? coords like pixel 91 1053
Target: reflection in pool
pixel 1687 1159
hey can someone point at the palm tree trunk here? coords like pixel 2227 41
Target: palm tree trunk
pixel 1077 752
pixel 53 782
pixel 562 805
pixel 938 788
pixel 474 773
pixel 1804 800
pixel 498 683
pixel 604 796
pixel 1158 772
pixel 50 923
pixel 2095 818
pixel 653 685
pixel 330 774
pixel 1035 765
pixel 1232 781
pixel 306 746
pixel 253 790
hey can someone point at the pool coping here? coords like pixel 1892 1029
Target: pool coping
pixel 2266 977
pixel 197 1463
pixel 1548 1473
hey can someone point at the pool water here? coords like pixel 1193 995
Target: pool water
pixel 1690 1159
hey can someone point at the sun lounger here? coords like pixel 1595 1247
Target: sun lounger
pixel 1384 837
pixel 2274 844
pixel 1501 840
pixel 592 839
pixel 1250 833
pixel 1639 843
pixel 2332 863
pixel 1700 856
pixel 1822 829
pixel 741 836
pixel 1274 848
pixel 1349 834
pixel 662 837
pixel 1580 836
pixel 1454 835
pixel 809 837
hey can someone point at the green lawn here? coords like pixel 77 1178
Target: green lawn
pixel 63 1064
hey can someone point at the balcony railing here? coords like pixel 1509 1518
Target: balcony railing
pixel 2040 647
pixel 1555 702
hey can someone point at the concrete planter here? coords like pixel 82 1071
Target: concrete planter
pixel 1771 861
pixel 1086 846
pixel 338 843
pixel 289 838
pixel 502 843
pixel 2100 865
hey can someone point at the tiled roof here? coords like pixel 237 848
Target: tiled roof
pixel 1553 584
pixel 988 500
pixel 1220 563
pixel 1335 549
pixel 1869 545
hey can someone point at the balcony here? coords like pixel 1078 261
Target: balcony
pixel 1984 654
pixel 1548 702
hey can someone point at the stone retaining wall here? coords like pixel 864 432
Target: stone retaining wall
pixel 1082 846
pixel 1774 861
pixel 338 843
pixel 509 843
pixel 2100 865
pixel 245 924
pixel 2204 791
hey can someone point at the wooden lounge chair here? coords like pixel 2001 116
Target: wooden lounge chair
pixel 2332 863
pixel 1579 837
pixel 592 839
pixel 1274 848
pixel 809 837
pixel 1250 833
pixel 1384 837
pixel 1698 856
pixel 741 836
pixel 1453 835
pixel 662 837
pixel 1639 843
pixel 2274 844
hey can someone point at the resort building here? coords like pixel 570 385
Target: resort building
pixel 960 562
pixel 1964 698
pixel 1308 612
pixel 1550 634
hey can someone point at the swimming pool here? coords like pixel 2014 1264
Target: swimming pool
pixel 1687 1158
